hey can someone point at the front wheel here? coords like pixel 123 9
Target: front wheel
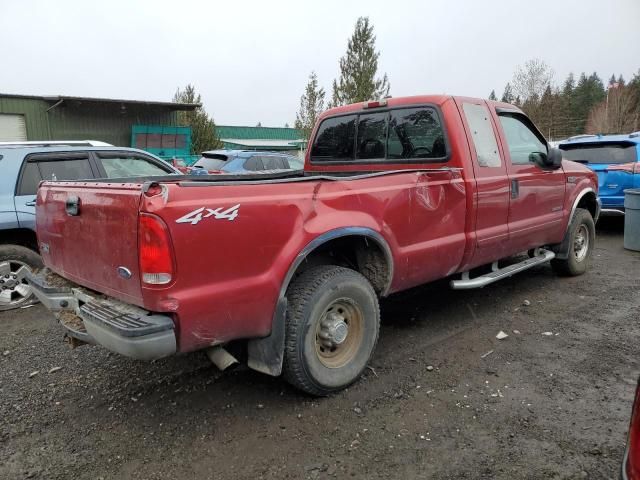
pixel 332 328
pixel 581 240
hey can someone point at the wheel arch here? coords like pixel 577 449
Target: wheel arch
pixel 19 236
pixel 587 199
pixel 371 253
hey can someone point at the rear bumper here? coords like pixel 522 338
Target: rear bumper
pixel 119 327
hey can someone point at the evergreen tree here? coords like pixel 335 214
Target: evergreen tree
pixel 358 69
pixel 569 85
pixel 492 95
pixel 588 93
pixel 311 105
pixel 203 129
pixel 565 117
pixel 634 85
pixel 507 95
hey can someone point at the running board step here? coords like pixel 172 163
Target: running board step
pixel 500 273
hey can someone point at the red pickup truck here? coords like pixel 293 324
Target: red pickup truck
pixel 394 193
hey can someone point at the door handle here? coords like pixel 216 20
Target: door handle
pixel 515 188
pixel 30 203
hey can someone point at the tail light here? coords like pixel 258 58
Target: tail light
pixel 632 467
pixel 155 251
pixel 632 168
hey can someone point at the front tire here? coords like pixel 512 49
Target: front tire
pixel 581 240
pixel 332 326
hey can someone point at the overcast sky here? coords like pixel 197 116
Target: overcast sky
pixel 250 59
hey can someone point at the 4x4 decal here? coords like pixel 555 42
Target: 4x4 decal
pixel 203 212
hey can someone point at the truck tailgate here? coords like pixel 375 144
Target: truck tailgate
pixel 87 232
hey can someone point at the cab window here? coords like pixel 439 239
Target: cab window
pixel 415 133
pixel 521 140
pixel 484 138
pixel 372 135
pixel 335 139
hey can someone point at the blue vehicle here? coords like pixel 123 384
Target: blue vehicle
pixel 23 166
pixel 616 161
pixel 244 161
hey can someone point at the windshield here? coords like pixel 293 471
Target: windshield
pixel 600 153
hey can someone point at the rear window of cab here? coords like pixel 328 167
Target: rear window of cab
pixel 397 135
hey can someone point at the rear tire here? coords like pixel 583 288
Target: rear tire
pixel 332 325
pixel 14 291
pixel 581 240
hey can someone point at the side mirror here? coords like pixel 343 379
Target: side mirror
pixel 552 159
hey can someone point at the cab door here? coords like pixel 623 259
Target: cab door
pixel 492 181
pixel 536 194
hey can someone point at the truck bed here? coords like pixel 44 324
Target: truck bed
pixel 223 260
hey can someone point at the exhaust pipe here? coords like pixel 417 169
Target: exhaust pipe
pixel 221 358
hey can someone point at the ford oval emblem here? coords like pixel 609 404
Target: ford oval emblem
pixel 124 272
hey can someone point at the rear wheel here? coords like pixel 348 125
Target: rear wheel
pixel 332 327
pixel 581 239
pixel 15 262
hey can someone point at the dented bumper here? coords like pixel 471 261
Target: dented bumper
pixel 117 326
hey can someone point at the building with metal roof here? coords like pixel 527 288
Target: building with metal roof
pixel 31 117
pixel 261 138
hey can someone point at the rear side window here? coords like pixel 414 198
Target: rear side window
pixel 484 138
pixel 30 179
pixel 273 163
pixel 335 139
pixel 601 153
pixel 76 169
pixel 254 164
pixel 120 166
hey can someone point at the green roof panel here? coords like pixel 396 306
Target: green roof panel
pixel 258 133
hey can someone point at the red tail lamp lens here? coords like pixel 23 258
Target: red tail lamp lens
pixel 156 256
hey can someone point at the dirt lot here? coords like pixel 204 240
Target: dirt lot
pixel 539 406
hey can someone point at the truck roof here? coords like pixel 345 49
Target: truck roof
pixel 407 101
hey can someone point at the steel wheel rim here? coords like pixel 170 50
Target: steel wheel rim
pixel 339 333
pixel 581 243
pixel 14 289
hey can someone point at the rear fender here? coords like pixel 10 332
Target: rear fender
pixel 266 354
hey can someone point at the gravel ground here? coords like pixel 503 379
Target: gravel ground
pixel 434 403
